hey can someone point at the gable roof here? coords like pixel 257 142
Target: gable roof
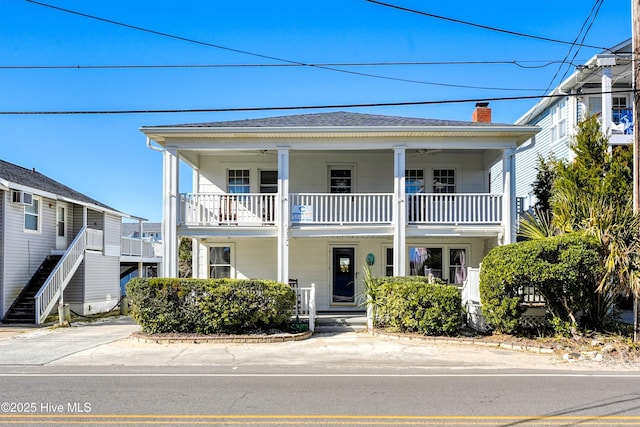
pixel 332 119
pixel 16 177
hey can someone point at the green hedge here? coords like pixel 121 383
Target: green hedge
pixel 412 304
pixel 564 269
pixel 227 306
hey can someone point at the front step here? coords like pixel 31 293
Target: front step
pixel 340 322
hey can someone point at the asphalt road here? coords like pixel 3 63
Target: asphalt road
pixel 96 375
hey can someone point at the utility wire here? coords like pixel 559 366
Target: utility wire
pixel 595 10
pixel 273 58
pixel 298 107
pixel 284 60
pixel 518 63
pixel 485 27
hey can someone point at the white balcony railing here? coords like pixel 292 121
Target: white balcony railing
pixel 139 247
pixel 199 209
pixel 470 208
pixel 374 208
pixel 208 209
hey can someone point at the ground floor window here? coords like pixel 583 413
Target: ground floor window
pixel 388 268
pixel 424 261
pixel 219 262
pixel 436 261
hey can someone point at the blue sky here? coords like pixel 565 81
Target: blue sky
pixel 105 156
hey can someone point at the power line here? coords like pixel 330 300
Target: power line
pixel 298 107
pixel 594 12
pixel 284 60
pixel 518 63
pixel 273 58
pixel 485 27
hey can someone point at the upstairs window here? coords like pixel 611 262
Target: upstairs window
pixel 558 121
pixel 444 181
pixel 238 181
pixel 414 181
pixel 32 215
pixel 340 181
pixel 268 182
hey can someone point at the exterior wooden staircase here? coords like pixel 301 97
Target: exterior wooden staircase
pixel 23 310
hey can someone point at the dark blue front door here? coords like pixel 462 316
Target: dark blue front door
pixel 343 275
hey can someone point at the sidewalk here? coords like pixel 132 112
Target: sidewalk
pixel 108 343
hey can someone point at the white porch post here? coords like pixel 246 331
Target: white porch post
pixel 607 104
pixel 399 213
pixel 508 196
pixel 283 215
pixel 170 213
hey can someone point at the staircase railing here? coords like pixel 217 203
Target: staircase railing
pixel 53 287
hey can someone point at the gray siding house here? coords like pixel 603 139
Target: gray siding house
pixel 56 246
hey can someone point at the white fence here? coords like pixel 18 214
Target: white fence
pixel 210 208
pixel 139 247
pixel 306 304
pixel 456 208
pixel 343 208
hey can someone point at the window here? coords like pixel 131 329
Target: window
pixel 619 102
pixel 595 105
pixel 457 266
pixel 414 181
pixel 268 181
pixel 388 268
pixel 444 181
pixel 219 262
pixel 238 181
pixel 32 216
pixel 425 261
pixel 558 121
pixel 340 181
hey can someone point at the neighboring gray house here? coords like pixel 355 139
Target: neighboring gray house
pixel 602 86
pixel 56 246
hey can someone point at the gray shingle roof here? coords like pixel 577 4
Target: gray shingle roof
pixel 334 119
pixel 30 178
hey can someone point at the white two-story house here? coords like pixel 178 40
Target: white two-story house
pixel 317 197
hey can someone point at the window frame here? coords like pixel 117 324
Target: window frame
pixel 37 203
pixel 232 174
pixel 230 264
pixel 446 186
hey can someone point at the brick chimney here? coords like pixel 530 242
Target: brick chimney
pixel 482 113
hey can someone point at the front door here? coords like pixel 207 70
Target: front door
pixel 61 225
pixel 344 286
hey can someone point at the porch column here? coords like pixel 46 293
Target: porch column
pixel 508 196
pixel 607 104
pixel 399 213
pixel 170 213
pixel 283 215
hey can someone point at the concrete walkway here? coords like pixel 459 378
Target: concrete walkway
pixel 108 343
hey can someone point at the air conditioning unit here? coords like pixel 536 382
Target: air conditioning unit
pixel 22 198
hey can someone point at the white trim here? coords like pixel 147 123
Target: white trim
pixel 38 215
pixel 233 272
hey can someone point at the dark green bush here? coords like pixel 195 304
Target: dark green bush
pixel 564 269
pixel 227 306
pixel 412 304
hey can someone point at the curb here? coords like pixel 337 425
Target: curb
pixel 220 339
pixel 465 341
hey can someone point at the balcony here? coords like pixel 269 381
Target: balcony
pixel 470 208
pixel 259 210
pixel 211 209
pixel 622 119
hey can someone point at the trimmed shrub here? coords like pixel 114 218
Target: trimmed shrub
pixel 217 306
pixel 564 269
pixel 413 304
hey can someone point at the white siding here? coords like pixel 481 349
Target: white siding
pixel 373 171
